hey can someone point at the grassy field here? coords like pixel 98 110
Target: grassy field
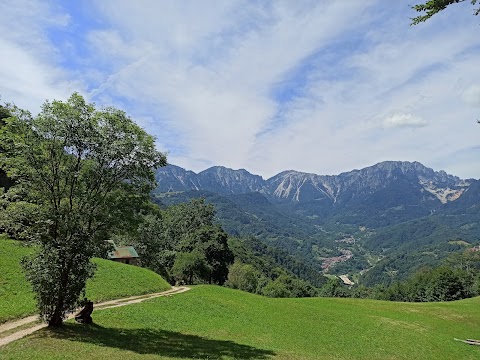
pixel 217 323
pixel 112 280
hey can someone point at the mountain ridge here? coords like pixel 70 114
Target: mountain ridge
pixel 296 186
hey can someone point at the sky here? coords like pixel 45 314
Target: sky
pixel 322 86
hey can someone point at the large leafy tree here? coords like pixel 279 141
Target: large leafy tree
pixel 191 227
pixel 177 242
pixel 212 242
pixel 81 172
pixel 153 245
pixel 432 7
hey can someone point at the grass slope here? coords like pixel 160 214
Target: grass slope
pixel 112 280
pixel 218 323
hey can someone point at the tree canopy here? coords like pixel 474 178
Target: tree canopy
pixel 183 243
pixel 433 7
pixel 79 173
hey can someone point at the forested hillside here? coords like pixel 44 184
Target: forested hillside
pixel 390 219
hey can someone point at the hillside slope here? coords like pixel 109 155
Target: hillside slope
pixel 219 323
pixel 112 280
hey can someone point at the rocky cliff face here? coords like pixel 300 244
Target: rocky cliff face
pixel 173 178
pixel 296 186
pixel 223 180
pixel 217 179
pixel 409 178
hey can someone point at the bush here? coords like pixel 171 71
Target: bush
pixel 334 288
pixel 243 277
pixel 276 289
pixel 440 284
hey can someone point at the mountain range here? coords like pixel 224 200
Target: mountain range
pixel 390 209
pixel 297 186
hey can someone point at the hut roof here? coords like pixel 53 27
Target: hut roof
pixel 123 252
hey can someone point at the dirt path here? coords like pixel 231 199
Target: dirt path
pixel 100 306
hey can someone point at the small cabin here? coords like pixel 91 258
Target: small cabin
pixel 124 254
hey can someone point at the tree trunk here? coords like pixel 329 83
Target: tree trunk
pixel 56 320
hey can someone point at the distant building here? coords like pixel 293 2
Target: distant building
pixel 346 280
pixel 124 254
pixel 474 249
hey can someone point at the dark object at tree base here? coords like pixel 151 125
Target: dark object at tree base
pixel 84 316
pixel 470 341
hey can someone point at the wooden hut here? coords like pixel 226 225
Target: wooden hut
pixel 124 254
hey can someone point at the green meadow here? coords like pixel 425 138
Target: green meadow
pixel 211 322
pixel 112 280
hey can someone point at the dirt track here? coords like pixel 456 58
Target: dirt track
pixel 100 306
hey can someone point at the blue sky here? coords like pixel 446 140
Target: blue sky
pixel 315 86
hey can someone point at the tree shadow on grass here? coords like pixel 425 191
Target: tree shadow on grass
pixel 160 342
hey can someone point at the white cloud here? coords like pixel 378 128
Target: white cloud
pixel 334 127
pixel 218 102
pixel 204 77
pixel 403 120
pixel 29 71
pixel 472 95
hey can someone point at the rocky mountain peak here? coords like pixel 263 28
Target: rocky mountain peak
pixel 294 186
pixel 225 180
pixel 173 178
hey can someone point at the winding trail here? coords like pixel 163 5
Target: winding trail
pixel 100 306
